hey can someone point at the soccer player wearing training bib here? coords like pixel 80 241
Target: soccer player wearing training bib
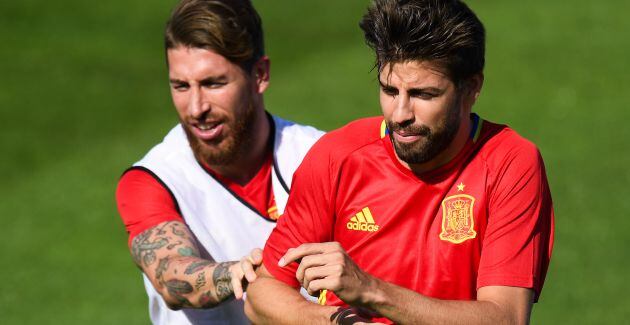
pixel 427 215
pixel 212 190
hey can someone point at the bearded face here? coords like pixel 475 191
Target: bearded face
pixel 422 108
pixel 431 142
pixel 216 103
pixel 236 140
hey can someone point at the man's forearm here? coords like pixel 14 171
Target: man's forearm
pixel 192 282
pixel 270 301
pixel 495 305
pixel 168 255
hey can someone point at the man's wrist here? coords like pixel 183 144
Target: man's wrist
pixel 372 294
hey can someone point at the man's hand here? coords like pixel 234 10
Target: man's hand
pixel 326 266
pixel 244 272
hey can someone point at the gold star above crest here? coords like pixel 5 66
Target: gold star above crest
pixel 460 187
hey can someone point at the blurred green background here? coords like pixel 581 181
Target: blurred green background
pixel 84 94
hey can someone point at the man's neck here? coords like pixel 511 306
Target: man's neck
pixel 249 162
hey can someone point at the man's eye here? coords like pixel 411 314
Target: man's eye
pixel 179 87
pixel 390 91
pixel 213 85
pixel 424 95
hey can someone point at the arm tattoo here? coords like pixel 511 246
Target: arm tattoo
pixel 145 245
pixel 196 266
pixel 221 277
pixel 162 266
pixel 173 245
pixel 187 251
pixel 206 300
pixel 143 250
pixel 201 280
pixel 180 273
pixel 178 232
pixel 177 289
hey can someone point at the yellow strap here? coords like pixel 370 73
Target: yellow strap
pixel 322 297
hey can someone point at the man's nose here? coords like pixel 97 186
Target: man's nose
pixel 403 112
pixel 197 106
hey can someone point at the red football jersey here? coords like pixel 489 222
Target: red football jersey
pixel 485 218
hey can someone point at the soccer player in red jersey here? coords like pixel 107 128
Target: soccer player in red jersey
pixel 211 191
pixel 426 215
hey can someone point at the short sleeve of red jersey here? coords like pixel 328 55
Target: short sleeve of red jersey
pixel 307 217
pixel 519 236
pixel 143 202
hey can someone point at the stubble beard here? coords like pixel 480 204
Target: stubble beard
pixel 432 142
pixel 226 150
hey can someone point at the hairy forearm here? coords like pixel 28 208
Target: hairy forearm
pixel 404 306
pixel 169 257
pixel 270 301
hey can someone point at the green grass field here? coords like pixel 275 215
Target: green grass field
pixel 84 94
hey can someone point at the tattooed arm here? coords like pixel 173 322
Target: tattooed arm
pixel 168 255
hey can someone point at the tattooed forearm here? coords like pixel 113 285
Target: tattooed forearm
pixel 159 271
pixel 222 279
pixel 173 245
pixel 177 289
pixel 179 232
pixel 197 266
pixel 169 256
pixel 187 251
pixel 207 300
pixel 201 280
pixel 143 250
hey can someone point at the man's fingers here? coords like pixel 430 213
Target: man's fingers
pixel 247 267
pixel 319 272
pixel 313 261
pixel 329 283
pixel 237 287
pixel 236 275
pixel 294 254
pixel 256 256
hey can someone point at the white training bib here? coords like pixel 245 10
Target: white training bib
pixel 226 228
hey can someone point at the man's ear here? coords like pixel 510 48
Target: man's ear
pixel 261 72
pixel 472 89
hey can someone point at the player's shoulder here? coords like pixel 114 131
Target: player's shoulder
pixel 351 137
pixel 500 143
pixel 298 132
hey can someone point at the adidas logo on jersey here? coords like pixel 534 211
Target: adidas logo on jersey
pixel 362 221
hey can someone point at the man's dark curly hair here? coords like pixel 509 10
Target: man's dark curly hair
pixel 444 32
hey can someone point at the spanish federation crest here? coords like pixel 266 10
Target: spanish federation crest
pixel 457 218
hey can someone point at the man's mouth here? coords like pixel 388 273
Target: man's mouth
pixel 207 131
pixel 406 137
